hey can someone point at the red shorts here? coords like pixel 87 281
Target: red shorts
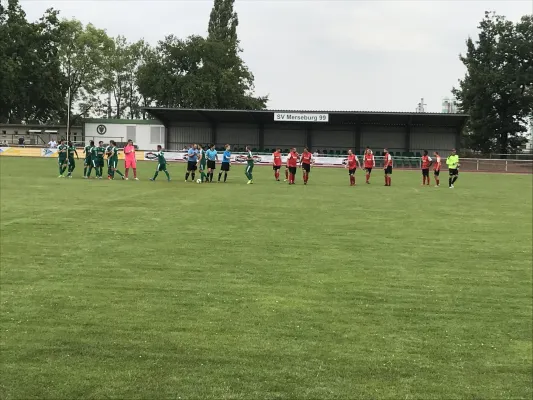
pixel 131 163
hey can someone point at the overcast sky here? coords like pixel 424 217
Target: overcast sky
pixel 320 55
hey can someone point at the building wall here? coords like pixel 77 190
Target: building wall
pixel 332 138
pixel 181 136
pixel 432 139
pixel 237 135
pixel 144 136
pixel 284 136
pixel 380 137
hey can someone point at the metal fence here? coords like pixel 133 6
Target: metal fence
pixel 469 164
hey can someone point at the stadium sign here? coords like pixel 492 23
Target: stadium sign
pixel 301 117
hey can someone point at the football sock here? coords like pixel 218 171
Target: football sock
pixel 84 171
pixel 454 179
pixel 126 173
pixel 89 171
pixel 437 181
pixel 120 173
pixel 219 176
pixel 390 179
pixel 386 180
pixel 193 175
pixel 167 174
pixel 429 182
pixel 202 176
pixel 367 177
pixel 225 176
pixel 450 182
pixel 211 177
pixel 186 176
pixel 155 175
pixel 134 173
pixel 286 174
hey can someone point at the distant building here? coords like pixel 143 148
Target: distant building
pixel 38 135
pixel 449 106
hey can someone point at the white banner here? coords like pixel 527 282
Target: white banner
pixel 240 158
pixel 300 117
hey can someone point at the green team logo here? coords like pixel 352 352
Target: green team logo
pixel 101 129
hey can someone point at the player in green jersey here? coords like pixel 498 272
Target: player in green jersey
pixel 87 162
pixel 62 151
pixel 250 166
pixel 109 153
pixel 453 167
pixel 113 161
pixel 202 163
pixel 98 159
pixel 71 162
pixel 161 163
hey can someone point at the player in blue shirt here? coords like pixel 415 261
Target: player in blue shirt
pixel 192 159
pixel 226 161
pixel 212 158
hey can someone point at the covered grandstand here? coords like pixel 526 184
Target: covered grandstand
pixel 331 132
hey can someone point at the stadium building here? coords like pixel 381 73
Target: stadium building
pixel 264 130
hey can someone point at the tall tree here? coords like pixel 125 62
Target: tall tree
pixel 31 85
pixel 201 72
pixel 121 65
pixel 497 91
pixel 222 62
pixel 82 55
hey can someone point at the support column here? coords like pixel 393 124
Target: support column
pixel 214 133
pixel 407 142
pixel 261 137
pixel 458 139
pixel 357 138
pixel 309 137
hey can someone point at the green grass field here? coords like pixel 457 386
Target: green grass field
pixel 113 289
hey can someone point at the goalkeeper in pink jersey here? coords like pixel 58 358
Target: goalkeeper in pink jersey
pixel 130 160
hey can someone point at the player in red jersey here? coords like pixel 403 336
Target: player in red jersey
pixel 276 163
pixel 306 160
pixel 369 163
pixel 387 166
pixel 292 162
pixel 352 163
pixel 436 168
pixel 426 163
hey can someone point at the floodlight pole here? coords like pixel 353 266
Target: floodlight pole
pixel 68 116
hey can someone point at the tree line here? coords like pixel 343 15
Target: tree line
pixel 497 90
pixel 42 62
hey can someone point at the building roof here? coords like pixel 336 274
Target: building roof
pixel 105 121
pixel 173 115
